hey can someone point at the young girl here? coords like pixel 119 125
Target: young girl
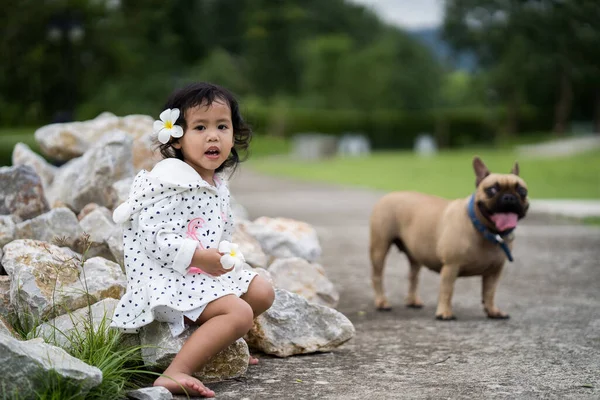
pixel 174 219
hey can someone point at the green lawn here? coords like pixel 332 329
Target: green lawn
pixel 449 174
pixel 10 137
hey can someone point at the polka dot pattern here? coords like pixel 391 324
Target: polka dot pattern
pixel 168 220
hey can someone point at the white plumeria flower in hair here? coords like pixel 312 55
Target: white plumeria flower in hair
pixel 232 257
pixel 165 128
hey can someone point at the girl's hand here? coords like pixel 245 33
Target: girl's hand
pixel 209 261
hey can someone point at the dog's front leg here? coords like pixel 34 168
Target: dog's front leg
pixel 448 276
pixel 488 291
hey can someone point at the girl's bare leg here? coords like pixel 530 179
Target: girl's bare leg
pixel 260 296
pixel 222 322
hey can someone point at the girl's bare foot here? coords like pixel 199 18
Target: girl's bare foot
pixel 174 382
pixel 252 360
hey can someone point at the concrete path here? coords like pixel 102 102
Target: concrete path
pixel 567 208
pixel 550 348
pixel 567 146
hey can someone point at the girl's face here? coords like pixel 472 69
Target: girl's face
pixel 208 138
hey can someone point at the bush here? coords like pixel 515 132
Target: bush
pixel 391 129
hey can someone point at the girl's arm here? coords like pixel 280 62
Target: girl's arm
pixel 159 230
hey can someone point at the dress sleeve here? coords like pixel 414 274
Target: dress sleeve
pixel 160 225
pixel 228 225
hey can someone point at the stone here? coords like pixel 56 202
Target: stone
pixel 101 229
pixel 294 326
pixel 311 146
pixel 353 145
pixel 115 245
pixel 145 156
pixel 121 189
pixel 6 329
pixel 5 307
pixel 249 246
pixel 309 280
pixel 285 238
pixel 425 145
pixel 21 192
pixel 59 330
pixel 7 229
pixel 150 393
pixel 89 178
pixel 47 281
pixel 86 210
pixel 23 364
pixel 160 347
pixel 23 155
pixel 57 224
pixel 65 141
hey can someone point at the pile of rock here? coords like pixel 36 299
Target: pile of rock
pixel 61 258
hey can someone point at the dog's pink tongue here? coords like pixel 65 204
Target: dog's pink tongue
pixel 505 221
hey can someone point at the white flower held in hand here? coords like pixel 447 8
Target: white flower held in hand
pixel 232 257
pixel 165 128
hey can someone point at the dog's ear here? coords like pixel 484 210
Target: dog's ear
pixel 480 169
pixel 515 169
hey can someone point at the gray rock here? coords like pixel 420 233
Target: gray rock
pixel 249 246
pixel 59 330
pixel 66 141
pixel 23 155
pixel 22 364
pixel 47 281
pixel 150 393
pixel 86 210
pixel 89 178
pixel 294 326
pixel 309 280
pixel 21 192
pixel 115 245
pixel 7 229
pixel 58 223
pixel 100 227
pixel 159 349
pixel 5 307
pixel 5 328
pixel 121 189
pixel 285 238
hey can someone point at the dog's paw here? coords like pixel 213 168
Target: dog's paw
pixel 497 314
pixel 382 305
pixel 413 302
pixel 445 317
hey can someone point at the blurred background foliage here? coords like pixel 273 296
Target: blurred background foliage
pixel 308 65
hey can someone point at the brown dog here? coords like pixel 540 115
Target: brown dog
pixel 464 237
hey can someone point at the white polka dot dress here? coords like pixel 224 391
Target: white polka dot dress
pixel 170 212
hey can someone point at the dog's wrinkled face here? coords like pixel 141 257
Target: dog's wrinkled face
pixel 501 198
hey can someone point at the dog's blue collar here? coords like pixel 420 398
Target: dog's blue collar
pixel 492 237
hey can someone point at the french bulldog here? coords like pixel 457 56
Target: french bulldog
pixel 471 236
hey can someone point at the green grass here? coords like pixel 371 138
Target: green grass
pixel 591 221
pixel 263 146
pixel 9 137
pixel 97 345
pixel 449 174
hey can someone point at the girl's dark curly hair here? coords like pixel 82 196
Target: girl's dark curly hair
pixel 203 93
